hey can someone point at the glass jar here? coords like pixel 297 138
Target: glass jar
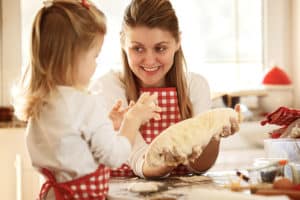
pixel 265 170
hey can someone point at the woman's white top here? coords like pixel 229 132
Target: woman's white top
pixel 112 89
pixel 73 135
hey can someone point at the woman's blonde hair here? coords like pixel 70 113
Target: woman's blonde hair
pixel 157 14
pixel 60 32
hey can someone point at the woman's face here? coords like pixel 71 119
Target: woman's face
pixel 150 53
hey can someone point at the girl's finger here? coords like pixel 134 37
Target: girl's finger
pixel 151 99
pixel 117 105
pixel 156 116
pixel 143 98
pixel 131 103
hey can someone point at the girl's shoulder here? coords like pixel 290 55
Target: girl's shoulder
pixel 73 98
pixel 79 104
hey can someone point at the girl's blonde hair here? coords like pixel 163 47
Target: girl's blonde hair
pixel 60 32
pixel 156 14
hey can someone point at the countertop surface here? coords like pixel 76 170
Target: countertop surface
pixel 211 186
pixel 181 187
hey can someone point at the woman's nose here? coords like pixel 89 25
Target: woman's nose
pixel 149 58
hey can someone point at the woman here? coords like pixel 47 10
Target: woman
pixel 153 61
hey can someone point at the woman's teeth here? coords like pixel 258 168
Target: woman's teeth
pixel 150 69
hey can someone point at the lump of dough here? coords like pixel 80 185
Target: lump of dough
pixel 174 145
pixel 144 187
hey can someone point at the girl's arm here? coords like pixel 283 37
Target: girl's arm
pixel 114 149
pixel 141 112
pixel 116 115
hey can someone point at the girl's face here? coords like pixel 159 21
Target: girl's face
pixel 150 53
pixel 86 64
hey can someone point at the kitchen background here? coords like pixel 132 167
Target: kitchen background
pixel 232 43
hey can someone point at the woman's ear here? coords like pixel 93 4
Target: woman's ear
pixel 121 40
pixel 178 43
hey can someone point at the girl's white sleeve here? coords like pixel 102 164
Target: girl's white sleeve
pixel 111 89
pixel 107 146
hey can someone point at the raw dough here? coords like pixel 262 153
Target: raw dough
pixel 175 144
pixel 144 187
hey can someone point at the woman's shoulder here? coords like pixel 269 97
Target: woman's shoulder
pixel 199 92
pixel 196 80
pixel 110 87
pixel 108 80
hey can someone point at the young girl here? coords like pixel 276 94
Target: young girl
pixel 69 138
pixel 153 62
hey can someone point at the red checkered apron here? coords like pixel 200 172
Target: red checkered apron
pixel 283 116
pixel 93 186
pixel 167 100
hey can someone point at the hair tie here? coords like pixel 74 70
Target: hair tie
pixel 85 4
pixel 48 3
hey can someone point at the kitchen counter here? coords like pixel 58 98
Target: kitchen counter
pixel 182 187
pixel 170 188
pixel 185 188
pixel 236 152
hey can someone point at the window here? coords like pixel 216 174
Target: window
pixel 222 40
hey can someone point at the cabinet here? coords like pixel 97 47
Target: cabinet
pixel 19 180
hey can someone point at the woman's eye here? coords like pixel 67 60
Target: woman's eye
pixel 138 49
pixel 160 49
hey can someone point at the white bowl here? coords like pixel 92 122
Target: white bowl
pixel 285 148
pixel 277 95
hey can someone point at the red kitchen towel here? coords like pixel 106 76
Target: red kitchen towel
pixel 283 116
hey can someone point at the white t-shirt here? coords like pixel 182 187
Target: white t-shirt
pixel 112 89
pixel 73 135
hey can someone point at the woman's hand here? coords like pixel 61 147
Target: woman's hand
pixel 116 114
pixel 204 157
pixel 230 130
pixel 234 124
pixel 156 172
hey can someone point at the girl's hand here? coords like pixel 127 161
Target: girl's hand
pixel 116 114
pixel 145 108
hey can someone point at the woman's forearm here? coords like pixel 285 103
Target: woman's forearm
pixel 152 172
pixel 207 158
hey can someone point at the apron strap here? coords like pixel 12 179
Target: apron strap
pixel 60 190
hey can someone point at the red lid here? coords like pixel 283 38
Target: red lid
pixel 276 76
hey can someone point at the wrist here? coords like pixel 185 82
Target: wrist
pixel 132 121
